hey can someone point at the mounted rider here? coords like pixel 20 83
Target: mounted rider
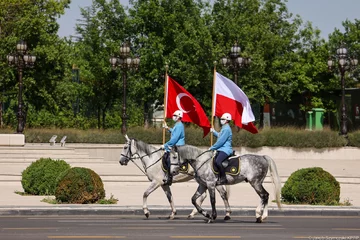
pixel 177 139
pixel 223 146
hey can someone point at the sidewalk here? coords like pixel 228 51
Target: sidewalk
pixel 243 201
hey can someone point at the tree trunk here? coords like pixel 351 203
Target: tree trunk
pixel 261 123
pixel 1 115
pixel 146 115
pixel 103 118
pixel 98 117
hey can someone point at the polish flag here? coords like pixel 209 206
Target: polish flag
pixel 229 98
pixel 177 98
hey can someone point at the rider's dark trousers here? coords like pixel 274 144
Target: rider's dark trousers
pixel 220 157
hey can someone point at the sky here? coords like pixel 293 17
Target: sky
pixel 326 15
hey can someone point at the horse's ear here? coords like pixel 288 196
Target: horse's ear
pixel 127 138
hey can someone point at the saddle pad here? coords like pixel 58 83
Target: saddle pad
pixel 233 167
pixel 184 168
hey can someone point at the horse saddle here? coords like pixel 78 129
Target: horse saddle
pixel 184 168
pixel 231 165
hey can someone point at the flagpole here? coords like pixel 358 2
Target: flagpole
pixel 212 104
pixel 165 100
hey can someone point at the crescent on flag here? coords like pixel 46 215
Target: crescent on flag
pixel 178 98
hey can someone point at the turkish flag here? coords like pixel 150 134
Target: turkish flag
pixel 229 98
pixel 177 98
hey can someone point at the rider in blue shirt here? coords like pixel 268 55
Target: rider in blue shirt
pixel 177 139
pixel 223 146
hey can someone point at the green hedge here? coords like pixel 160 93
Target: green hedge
pixel 311 186
pixel 79 185
pixel 273 137
pixel 40 177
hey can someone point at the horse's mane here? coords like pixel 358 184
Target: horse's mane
pixel 189 152
pixel 142 146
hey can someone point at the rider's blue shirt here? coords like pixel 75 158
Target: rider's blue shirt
pixel 177 136
pixel 224 140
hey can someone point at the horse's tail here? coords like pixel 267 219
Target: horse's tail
pixel 275 180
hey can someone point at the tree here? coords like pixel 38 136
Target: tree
pixel 17 22
pixel 173 32
pixel 267 34
pixel 102 27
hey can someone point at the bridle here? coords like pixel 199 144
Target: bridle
pixel 132 158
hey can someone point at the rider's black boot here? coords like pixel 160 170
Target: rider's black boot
pixel 168 179
pixel 222 179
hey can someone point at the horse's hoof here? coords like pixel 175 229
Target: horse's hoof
pixel 227 218
pixel 210 221
pixel 147 215
pixel 259 220
pixel 171 217
pixel 191 217
pixel 207 215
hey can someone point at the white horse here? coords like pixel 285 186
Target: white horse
pixel 250 168
pixel 151 159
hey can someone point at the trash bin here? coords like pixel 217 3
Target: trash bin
pixel 318 118
pixel 309 120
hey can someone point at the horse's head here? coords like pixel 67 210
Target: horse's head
pixel 128 151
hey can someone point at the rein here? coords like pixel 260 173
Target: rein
pixel 189 161
pixel 141 157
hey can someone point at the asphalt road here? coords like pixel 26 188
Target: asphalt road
pixel 137 227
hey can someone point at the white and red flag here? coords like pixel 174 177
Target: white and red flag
pixel 177 98
pixel 229 98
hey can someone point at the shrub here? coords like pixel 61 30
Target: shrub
pixel 79 185
pixel 354 139
pixel 271 137
pixel 311 186
pixel 40 178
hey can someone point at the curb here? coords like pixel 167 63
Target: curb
pixel 184 211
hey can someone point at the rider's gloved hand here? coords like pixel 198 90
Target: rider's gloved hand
pixel 212 130
pixel 162 147
pixel 165 125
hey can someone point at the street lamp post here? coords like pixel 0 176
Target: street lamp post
pixel 20 59
pixel 235 62
pixel 345 63
pixel 125 62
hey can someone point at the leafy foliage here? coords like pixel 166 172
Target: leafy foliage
pixel 311 186
pixel 33 21
pixel 288 58
pixel 354 139
pixel 79 185
pixel 40 178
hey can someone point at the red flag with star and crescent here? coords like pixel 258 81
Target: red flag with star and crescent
pixel 177 98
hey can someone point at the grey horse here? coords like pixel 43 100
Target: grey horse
pixel 252 168
pixel 150 158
